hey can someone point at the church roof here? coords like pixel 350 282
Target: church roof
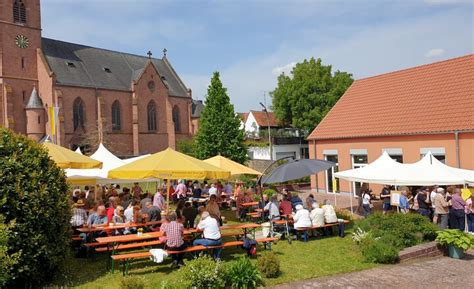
pixel 34 101
pixel 80 65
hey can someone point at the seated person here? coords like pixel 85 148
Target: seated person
pixel 189 214
pixel 99 219
pixel 285 206
pixel 79 215
pixel 301 218
pixel 118 218
pixel 263 202
pixel 295 200
pixel 211 233
pixel 174 232
pixel 271 210
pixel 317 215
pixel 213 209
pixel 329 212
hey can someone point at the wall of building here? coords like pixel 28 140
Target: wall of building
pixel 278 151
pixel 410 146
pixel 251 126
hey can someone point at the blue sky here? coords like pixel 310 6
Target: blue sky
pixel 251 42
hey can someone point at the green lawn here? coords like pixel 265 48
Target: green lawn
pixel 315 258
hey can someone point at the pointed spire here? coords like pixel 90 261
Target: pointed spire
pixel 34 101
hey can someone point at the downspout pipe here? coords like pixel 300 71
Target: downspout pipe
pixel 458 157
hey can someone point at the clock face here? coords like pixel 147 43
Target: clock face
pixel 22 41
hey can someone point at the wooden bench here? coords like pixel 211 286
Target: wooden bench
pixel 122 247
pixel 305 230
pixel 76 238
pixel 125 258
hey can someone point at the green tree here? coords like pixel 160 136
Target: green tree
pixel 35 211
pixel 219 130
pixel 304 98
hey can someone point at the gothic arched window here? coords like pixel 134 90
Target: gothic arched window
pixel 78 113
pixel 19 12
pixel 151 109
pixel 176 121
pixel 116 121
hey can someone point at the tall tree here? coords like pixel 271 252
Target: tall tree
pixel 304 98
pixel 219 130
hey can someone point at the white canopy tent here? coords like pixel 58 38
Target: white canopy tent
pixel 427 171
pixel 78 150
pixel 129 160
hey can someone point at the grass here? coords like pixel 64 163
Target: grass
pixel 299 260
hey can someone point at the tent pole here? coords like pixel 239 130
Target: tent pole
pixel 168 186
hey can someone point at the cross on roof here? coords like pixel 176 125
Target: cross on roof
pixel 149 54
pixel 164 52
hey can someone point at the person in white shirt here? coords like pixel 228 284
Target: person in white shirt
pixel 329 212
pixel 212 190
pixel 272 208
pixel 211 233
pixel 432 200
pixel 317 215
pixel 301 218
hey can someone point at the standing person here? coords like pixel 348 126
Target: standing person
pixel 433 192
pixel 385 196
pixel 366 202
pixel 137 191
pixel 441 208
pixel 211 233
pixel 457 215
pixel 159 201
pixel 174 232
pixel 404 202
pixel 424 207
pixel 470 214
pixel 180 192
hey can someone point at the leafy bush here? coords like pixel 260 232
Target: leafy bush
pixel 377 251
pixel 269 192
pixel 36 191
pixel 132 282
pixel 455 237
pixel 202 272
pixel 269 265
pixel 402 230
pixel 7 261
pixel 243 274
pixel 344 214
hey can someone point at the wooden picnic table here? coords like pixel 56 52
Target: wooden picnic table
pixel 109 227
pixel 250 204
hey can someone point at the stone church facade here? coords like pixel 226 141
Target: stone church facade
pixel 134 104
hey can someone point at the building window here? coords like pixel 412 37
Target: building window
pixel 39 119
pixel 304 153
pixel 151 109
pixel 116 121
pixel 19 12
pixel 78 113
pixel 398 158
pixel 176 120
pixel 151 85
pixel 358 161
pixel 330 174
pixel 22 63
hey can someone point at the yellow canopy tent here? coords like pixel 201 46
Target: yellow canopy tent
pixel 229 165
pixel 171 165
pixel 67 159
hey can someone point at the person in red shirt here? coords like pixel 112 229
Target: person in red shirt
pixel 285 206
pixel 174 239
pixel 111 208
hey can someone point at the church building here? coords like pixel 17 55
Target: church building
pixel 134 104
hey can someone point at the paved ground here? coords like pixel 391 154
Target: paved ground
pixel 442 272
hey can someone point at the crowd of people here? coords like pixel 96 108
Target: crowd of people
pixel 444 206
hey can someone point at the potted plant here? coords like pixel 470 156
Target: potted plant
pixel 457 242
pixel 140 232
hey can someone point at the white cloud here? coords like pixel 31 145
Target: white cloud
pixel 283 69
pixel 435 52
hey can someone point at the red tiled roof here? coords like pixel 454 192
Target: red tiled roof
pixel 432 98
pixel 261 118
pixel 243 116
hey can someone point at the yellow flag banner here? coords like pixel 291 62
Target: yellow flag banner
pixel 334 185
pixel 53 116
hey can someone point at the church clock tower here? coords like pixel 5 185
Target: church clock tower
pixel 20 37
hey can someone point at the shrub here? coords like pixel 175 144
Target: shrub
pixel 7 261
pixel 202 272
pixel 377 251
pixel 132 282
pixel 36 191
pixel 269 265
pixel 456 238
pixel 269 192
pixel 243 274
pixel 344 214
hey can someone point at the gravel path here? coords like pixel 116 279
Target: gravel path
pixel 441 272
